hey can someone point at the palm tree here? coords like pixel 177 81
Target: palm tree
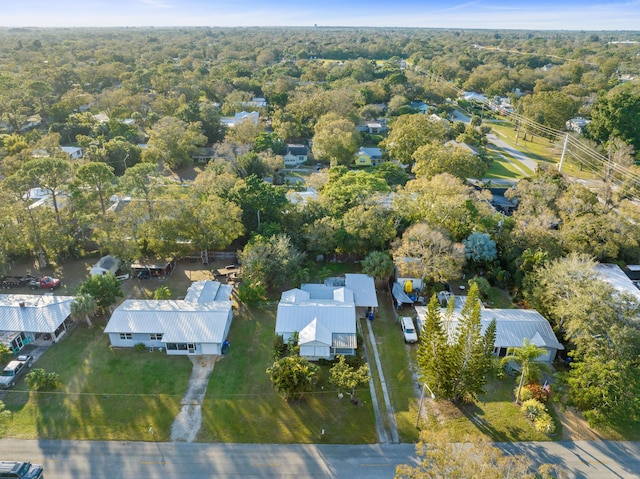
pixel 525 356
pixel 83 306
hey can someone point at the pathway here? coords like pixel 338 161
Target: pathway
pixel 188 421
pixel 385 393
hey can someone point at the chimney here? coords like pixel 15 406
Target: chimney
pixel 21 304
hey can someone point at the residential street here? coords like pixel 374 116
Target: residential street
pixel 120 460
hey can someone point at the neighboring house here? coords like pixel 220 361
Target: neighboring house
pixel 368 156
pixel 106 264
pixel 513 326
pixel 32 122
pixel 101 117
pixel 421 106
pixel 255 102
pixel 616 277
pixel 25 316
pixel 302 197
pixel 373 127
pixel 296 155
pixel 576 124
pixel 74 152
pixel 203 154
pixel 197 325
pixel 238 118
pixel 463 146
pixel 474 97
pixel 324 318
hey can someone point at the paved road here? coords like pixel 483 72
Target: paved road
pixel 149 460
pixel 517 154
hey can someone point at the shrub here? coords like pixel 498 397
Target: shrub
pixel 483 286
pixel 251 293
pixel 140 347
pixel 39 380
pixel 535 391
pixel 545 423
pixel 532 409
pixel 279 347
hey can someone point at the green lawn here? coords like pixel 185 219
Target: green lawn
pixel 503 169
pixel 494 415
pixel 105 395
pixel 242 407
pixel 396 361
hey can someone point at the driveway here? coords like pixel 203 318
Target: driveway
pixel 188 421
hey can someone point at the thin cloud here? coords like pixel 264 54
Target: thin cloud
pixel 156 3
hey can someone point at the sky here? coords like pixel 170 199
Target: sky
pixel 494 14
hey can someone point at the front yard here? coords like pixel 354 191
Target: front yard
pixel 119 394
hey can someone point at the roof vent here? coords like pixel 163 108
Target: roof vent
pixel 21 304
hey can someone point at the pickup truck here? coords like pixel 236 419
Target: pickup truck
pixel 45 282
pixel 21 470
pixel 14 370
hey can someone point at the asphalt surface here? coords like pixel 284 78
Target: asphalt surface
pixel 149 460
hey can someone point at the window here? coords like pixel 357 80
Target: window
pixel 182 347
pixel 172 346
pixel 155 336
pixel 126 336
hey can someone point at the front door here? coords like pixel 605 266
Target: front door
pixel 191 347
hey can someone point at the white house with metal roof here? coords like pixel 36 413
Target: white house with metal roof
pixel 324 318
pixel 24 316
pixel 197 325
pixel 616 277
pixel 513 326
pixel 364 292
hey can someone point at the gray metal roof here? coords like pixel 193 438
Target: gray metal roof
pixel 512 325
pixel 364 289
pixel 314 332
pixel 613 274
pixel 208 291
pixel 335 316
pixel 40 313
pixel 178 321
pixel 345 341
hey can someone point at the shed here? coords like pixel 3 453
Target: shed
pixel 106 264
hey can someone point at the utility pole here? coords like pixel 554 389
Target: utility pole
pixel 564 150
pixel 433 396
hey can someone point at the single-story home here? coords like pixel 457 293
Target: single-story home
pixel 296 155
pixel 324 317
pixel 106 264
pixel 74 152
pixel 232 121
pixel 616 277
pixel 197 325
pixel 368 156
pixel 25 316
pixel 513 326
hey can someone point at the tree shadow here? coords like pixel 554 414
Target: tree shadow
pixel 475 415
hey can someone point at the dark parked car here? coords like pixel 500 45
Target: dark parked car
pixel 20 470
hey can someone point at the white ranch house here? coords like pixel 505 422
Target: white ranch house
pixel 197 325
pixel 25 316
pixel 324 315
pixel 513 326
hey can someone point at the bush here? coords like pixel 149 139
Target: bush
pixel 251 293
pixel 39 380
pixel 140 347
pixel 483 286
pixel 535 391
pixel 545 423
pixel 532 409
pixel 279 347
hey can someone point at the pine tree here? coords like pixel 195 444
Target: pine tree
pixel 472 350
pixel 433 355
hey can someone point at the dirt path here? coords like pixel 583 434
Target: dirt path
pixel 574 426
pixel 188 421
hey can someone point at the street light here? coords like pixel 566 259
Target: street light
pixel 433 396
